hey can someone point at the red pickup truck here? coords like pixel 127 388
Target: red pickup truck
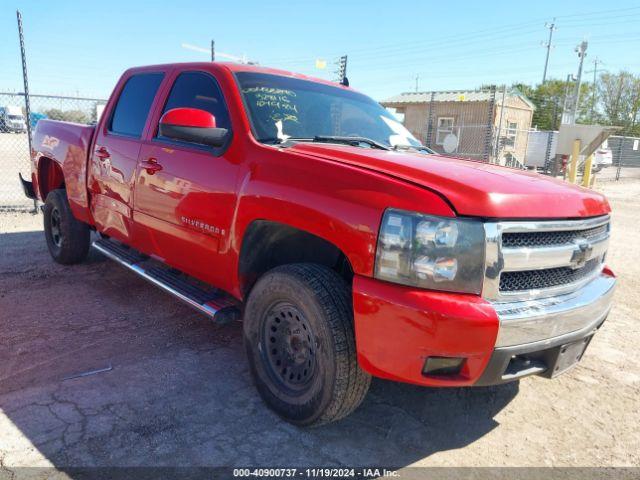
pixel 347 248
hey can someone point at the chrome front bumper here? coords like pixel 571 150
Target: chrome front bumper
pixel 547 320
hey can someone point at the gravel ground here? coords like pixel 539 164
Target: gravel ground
pixel 179 392
pixel 14 158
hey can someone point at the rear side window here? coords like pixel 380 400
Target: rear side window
pixel 134 103
pixel 199 90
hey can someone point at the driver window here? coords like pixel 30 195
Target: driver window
pixel 198 90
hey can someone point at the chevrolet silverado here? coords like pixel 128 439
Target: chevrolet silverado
pixel 348 249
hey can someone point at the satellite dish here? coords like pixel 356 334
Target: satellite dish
pixel 450 143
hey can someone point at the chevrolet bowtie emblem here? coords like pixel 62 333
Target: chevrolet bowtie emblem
pixel 582 253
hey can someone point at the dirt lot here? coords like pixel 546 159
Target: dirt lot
pixel 179 392
pixel 14 158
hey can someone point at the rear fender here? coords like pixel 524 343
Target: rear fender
pixel 63 147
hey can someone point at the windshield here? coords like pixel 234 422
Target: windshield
pixel 281 108
pixel 15 117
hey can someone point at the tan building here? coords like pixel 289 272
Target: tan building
pixel 469 123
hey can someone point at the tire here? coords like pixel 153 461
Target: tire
pixel 67 238
pixel 299 338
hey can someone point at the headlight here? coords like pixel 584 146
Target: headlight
pixel 431 252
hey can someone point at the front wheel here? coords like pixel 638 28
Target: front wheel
pixel 299 338
pixel 67 238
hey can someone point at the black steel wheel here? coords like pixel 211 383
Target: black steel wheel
pixel 67 238
pixel 56 234
pixel 299 338
pixel 288 343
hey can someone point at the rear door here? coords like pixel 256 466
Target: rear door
pixel 183 210
pixel 114 158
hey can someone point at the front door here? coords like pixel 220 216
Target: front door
pixel 113 162
pixel 185 193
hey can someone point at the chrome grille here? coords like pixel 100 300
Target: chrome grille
pixel 550 277
pixel 538 239
pixel 532 259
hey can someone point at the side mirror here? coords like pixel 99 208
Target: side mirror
pixel 192 125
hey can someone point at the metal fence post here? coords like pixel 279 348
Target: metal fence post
pixel 490 116
pixel 499 131
pixel 27 105
pixel 430 121
pixel 620 145
pixel 547 154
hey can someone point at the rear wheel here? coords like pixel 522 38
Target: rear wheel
pixel 67 238
pixel 298 334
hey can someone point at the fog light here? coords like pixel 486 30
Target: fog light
pixel 439 366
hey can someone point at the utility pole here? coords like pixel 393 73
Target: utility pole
pixel 596 61
pixel 573 101
pixel 417 79
pixel 552 27
pixel 582 52
pixel 342 71
pixel 213 51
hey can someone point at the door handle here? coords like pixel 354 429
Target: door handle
pixel 102 153
pixel 151 165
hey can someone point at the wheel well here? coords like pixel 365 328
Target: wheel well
pixel 50 176
pixel 267 245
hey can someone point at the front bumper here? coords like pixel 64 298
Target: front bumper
pixel 398 328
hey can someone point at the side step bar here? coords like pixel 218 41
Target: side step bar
pixel 213 303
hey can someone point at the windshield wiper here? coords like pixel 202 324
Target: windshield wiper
pixel 420 148
pixel 353 141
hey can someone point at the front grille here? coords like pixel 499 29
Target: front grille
pixel 551 277
pixel 545 239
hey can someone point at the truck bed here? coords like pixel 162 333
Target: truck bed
pixel 67 145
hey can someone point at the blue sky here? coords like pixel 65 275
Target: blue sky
pixel 82 47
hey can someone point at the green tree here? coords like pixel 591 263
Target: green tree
pixel 77 116
pixel 619 100
pixel 549 99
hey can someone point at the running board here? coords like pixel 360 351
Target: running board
pixel 221 307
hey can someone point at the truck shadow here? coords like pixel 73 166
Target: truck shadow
pixel 179 391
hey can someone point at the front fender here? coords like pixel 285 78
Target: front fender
pixel 339 203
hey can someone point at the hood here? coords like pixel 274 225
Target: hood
pixel 473 188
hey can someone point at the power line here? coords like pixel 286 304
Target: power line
pixel 422 55
pixel 469 38
pixel 598 12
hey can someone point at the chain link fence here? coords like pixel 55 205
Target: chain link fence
pixel 625 153
pixel 505 127
pixel 490 125
pixel 495 125
pixel 14 142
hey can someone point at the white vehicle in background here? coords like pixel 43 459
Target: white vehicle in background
pixel 602 157
pixel 12 120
